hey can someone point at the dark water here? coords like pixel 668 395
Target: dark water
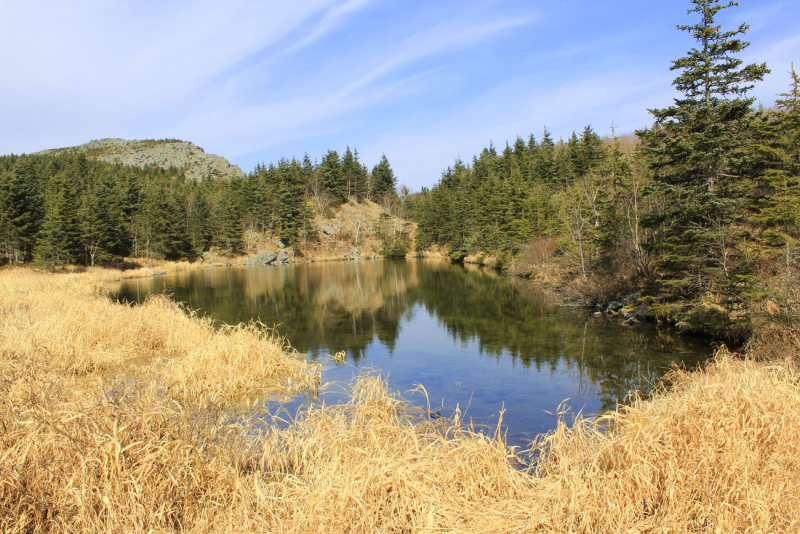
pixel 472 338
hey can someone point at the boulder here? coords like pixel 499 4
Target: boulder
pixel 262 257
pixel 328 229
pixel 283 258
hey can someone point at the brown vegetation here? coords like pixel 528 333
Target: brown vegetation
pixel 81 450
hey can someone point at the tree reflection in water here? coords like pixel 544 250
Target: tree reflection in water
pixel 387 313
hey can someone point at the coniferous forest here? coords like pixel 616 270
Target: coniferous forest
pixel 61 209
pixel 698 216
pixel 700 212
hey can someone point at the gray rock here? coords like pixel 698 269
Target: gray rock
pixel 207 256
pixel 328 229
pixel 280 243
pixel 164 153
pixel 266 257
pixel 283 257
pixel 262 257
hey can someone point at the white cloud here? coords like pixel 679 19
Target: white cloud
pixel 98 66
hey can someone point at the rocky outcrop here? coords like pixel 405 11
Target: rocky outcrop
pixel 165 153
pixel 268 257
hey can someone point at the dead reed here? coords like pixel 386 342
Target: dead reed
pixel 65 320
pixel 714 450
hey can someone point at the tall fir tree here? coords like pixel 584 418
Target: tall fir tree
pixel 59 240
pixel 332 177
pixel 696 151
pixel 21 206
pixel 383 180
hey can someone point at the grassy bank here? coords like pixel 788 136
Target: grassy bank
pixel 85 446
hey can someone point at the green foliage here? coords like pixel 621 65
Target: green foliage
pixel 383 180
pixel 59 239
pixel 332 178
pixel 697 151
pixel 226 220
pixel 20 211
pixel 61 208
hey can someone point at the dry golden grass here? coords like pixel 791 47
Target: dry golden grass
pixel 65 321
pixel 715 450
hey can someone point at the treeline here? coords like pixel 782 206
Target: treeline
pixel 60 209
pixel 700 212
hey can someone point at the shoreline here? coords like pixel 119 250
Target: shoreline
pixel 371 464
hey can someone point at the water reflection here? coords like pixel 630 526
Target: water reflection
pixel 468 335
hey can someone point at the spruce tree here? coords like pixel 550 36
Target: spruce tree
pixel 383 180
pixel 696 150
pixel 21 207
pixel 332 178
pixel 59 240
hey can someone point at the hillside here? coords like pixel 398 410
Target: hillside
pixel 351 231
pixel 164 153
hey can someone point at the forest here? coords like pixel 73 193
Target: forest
pixel 62 209
pixel 697 216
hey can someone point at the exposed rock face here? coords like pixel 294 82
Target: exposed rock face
pixel 267 257
pixel 194 161
pixel 263 257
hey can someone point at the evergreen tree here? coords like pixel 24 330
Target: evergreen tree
pixel 199 217
pixel 332 177
pixel 545 162
pixel 383 180
pixel 696 151
pixel 350 172
pixel 361 179
pixel 59 240
pixel 227 221
pixel 93 226
pixel 21 207
pixel 293 210
pixel 589 153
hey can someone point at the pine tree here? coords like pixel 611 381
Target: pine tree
pixel 332 177
pixel 59 240
pixel 93 227
pixel 350 172
pixel 696 150
pixel 199 217
pixel 227 222
pixel 383 180
pixel 21 207
pixel 361 180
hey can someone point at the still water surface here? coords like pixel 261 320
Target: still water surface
pixel 471 337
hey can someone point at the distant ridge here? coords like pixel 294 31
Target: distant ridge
pixel 164 153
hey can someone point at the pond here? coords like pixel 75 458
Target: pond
pixel 473 338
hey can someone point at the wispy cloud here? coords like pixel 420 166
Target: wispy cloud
pixel 332 19
pixel 422 81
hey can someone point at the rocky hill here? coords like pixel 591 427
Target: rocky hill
pixel 165 153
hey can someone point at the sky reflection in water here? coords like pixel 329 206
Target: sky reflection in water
pixel 472 338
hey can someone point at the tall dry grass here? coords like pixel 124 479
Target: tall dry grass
pixel 65 320
pixel 714 450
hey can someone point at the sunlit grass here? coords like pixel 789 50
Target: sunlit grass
pixel 82 451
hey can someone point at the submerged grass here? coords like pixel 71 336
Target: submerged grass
pixel 713 450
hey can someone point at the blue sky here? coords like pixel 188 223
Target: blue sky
pixel 423 82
